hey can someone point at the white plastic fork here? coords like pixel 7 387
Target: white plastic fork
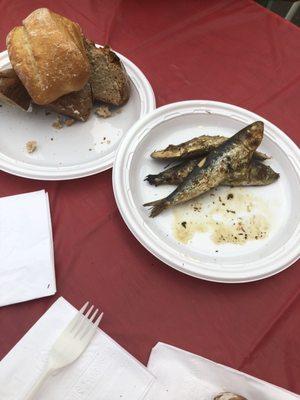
pixel 70 344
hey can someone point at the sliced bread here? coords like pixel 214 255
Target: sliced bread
pixel 109 80
pixel 77 105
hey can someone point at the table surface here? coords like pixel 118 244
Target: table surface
pixel 225 50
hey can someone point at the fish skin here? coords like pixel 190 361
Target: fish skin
pixel 257 174
pixel 174 175
pixel 233 154
pixel 197 147
pixel 192 148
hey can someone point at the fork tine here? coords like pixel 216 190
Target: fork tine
pixel 91 328
pixel 94 315
pixel 82 322
pixel 78 316
pixel 98 320
pixel 88 324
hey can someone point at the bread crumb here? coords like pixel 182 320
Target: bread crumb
pixel 103 111
pixel 31 146
pixel 69 121
pixel 58 123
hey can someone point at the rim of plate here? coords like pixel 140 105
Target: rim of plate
pixel 19 168
pixel 281 259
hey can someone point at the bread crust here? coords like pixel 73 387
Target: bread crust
pixel 12 90
pixel 48 55
pixel 77 105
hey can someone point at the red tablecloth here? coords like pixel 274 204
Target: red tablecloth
pixel 227 50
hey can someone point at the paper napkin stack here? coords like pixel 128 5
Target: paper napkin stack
pixel 104 371
pixel 181 375
pixel 26 248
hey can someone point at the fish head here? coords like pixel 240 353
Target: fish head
pixel 168 153
pixel 252 135
pixel 262 173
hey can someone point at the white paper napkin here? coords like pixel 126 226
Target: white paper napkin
pixel 185 376
pixel 26 248
pixel 104 371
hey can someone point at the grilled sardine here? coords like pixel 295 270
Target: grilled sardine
pixel 257 174
pixel 233 154
pixel 197 147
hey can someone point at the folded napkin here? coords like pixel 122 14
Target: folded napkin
pixel 103 371
pixel 26 248
pixel 185 376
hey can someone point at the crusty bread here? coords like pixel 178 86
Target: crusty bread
pixel 12 89
pixel 77 105
pixel 109 80
pixel 48 55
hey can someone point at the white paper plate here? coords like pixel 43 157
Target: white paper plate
pixel 72 152
pixel 201 257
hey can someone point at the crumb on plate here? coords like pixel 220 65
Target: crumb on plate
pixel 69 121
pixel 31 146
pixel 58 124
pixel 103 111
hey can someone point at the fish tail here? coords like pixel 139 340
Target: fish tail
pixel 152 179
pixel 157 207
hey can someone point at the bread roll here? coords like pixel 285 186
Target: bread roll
pixel 48 55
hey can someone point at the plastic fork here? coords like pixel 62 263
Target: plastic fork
pixel 70 344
